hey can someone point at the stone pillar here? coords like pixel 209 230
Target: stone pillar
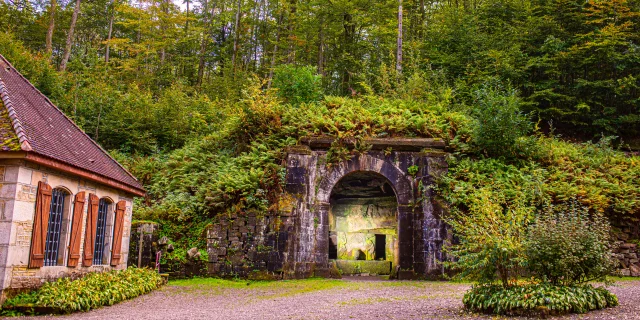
pixel 405 236
pixel 143 244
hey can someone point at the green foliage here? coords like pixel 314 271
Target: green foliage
pixel 538 299
pixel 237 168
pixel 297 85
pixel 91 291
pixel 491 235
pixel 500 123
pixel 566 245
pixel 599 177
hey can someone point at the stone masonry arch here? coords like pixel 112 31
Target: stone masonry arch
pixel 292 241
pixel 410 165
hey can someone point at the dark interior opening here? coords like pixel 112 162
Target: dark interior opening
pixel 381 245
pixel 333 245
pixel 362 185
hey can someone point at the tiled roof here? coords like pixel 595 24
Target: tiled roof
pixel 43 129
pixel 8 138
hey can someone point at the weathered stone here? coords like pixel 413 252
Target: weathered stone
pixel 628 245
pixel 294 240
pixel 193 253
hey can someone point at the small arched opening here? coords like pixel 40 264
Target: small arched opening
pixel 363 224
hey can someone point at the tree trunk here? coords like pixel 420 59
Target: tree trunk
pixel 52 25
pixel 291 28
pixel 67 47
pixel 321 49
pixel 205 37
pixel 186 26
pixel 106 53
pixel 275 51
pixel 399 52
pixel 236 36
pixel 163 28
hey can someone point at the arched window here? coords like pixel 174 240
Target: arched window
pixel 103 233
pixel 57 228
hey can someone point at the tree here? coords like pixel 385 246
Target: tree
pixel 52 14
pixel 399 49
pixel 69 43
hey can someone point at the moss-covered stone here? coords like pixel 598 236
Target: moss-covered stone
pixel 364 266
pixel 8 139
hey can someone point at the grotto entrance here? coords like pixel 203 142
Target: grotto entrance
pixel 363 225
pixel 373 208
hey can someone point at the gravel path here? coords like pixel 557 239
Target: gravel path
pixel 323 299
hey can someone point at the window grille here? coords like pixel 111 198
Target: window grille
pixel 101 229
pixel 52 244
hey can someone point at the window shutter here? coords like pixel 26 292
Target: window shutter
pixel 76 230
pixel 90 230
pixel 118 233
pixel 40 224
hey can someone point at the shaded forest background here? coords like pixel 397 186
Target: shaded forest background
pixel 142 76
pixel 200 103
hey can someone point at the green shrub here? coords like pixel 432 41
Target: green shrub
pixel 537 299
pixel 297 84
pixel 91 291
pixel 566 245
pixel 500 123
pixel 491 235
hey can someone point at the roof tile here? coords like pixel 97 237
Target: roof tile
pixel 50 133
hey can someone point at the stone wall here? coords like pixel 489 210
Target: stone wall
pixel 626 230
pixel 143 244
pixel 249 245
pixel 18 188
pixel 294 241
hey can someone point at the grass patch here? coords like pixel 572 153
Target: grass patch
pixel 267 289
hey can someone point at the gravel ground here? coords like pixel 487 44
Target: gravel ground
pixel 323 299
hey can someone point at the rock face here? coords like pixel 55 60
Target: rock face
pixel 295 241
pixel 626 231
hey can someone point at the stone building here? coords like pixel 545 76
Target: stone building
pixel 65 204
pixel 372 214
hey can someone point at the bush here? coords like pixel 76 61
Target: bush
pixel 89 292
pixel 566 245
pixel 500 123
pixel 297 84
pixel 537 299
pixel 491 235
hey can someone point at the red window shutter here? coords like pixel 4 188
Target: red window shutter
pixel 117 233
pixel 76 230
pixel 40 225
pixel 90 230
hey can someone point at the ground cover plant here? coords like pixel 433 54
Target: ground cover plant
pixel 91 291
pixel 538 299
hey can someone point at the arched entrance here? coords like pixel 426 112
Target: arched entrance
pixel 363 225
pixel 375 206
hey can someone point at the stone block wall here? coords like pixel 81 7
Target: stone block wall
pixel 294 242
pixel 627 255
pixel 626 230
pixel 248 245
pixel 143 244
